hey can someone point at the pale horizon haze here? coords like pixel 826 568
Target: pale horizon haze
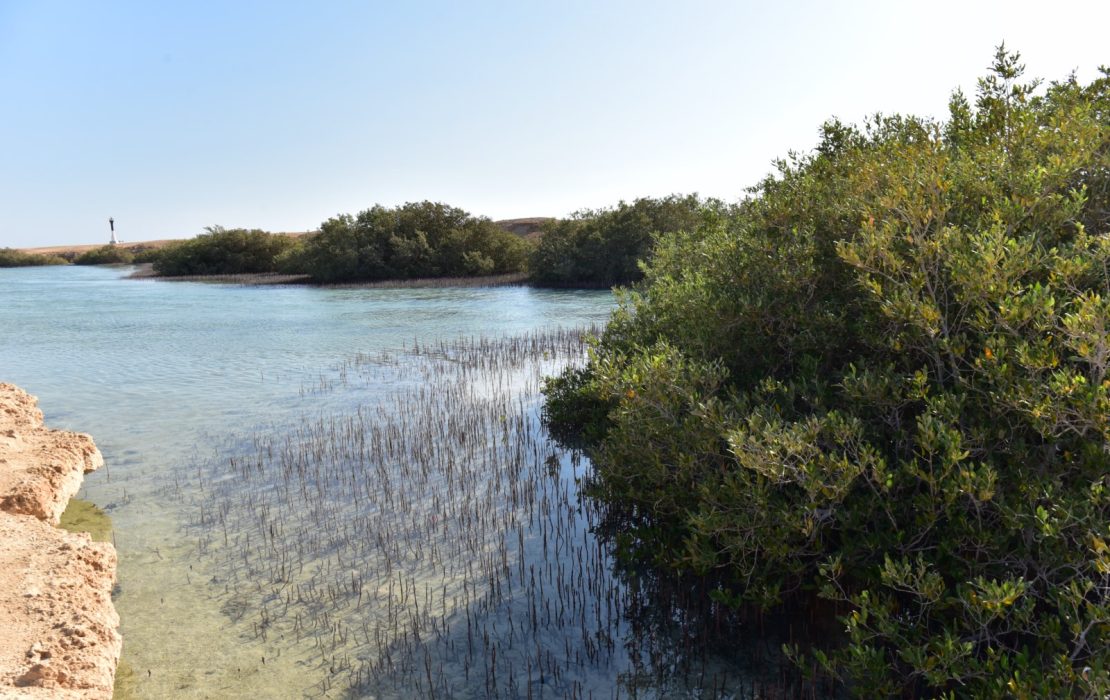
pixel 171 117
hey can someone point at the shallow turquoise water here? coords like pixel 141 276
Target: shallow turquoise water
pixel 129 358
pixel 161 373
pixel 303 506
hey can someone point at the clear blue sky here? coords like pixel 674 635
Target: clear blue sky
pixel 171 116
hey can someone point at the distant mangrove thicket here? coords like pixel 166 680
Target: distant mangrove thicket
pixel 419 239
pixel 222 251
pixel 884 381
pixel 105 255
pixel 599 248
pixel 10 257
pixel 604 248
pixel 424 239
pixel 591 248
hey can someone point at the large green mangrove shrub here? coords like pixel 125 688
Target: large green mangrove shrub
pixel 221 251
pixel 886 381
pixel 418 239
pixel 603 248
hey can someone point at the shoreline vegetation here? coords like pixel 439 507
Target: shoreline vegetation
pixel 413 244
pixel 10 257
pixel 881 389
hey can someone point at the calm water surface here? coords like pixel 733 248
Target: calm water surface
pixel 177 381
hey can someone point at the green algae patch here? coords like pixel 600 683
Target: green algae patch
pixel 126 684
pixel 84 516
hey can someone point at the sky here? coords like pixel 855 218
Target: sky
pixel 174 116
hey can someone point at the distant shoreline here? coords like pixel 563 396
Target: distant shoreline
pixel 529 228
pixel 145 271
pixel 133 246
pixel 78 249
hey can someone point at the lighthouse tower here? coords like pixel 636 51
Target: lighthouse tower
pixel 112 225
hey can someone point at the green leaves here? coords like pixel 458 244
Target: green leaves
pixel 605 248
pixel 105 255
pixel 221 251
pixel 417 239
pixel 886 378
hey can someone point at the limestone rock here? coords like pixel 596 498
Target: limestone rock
pixel 59 637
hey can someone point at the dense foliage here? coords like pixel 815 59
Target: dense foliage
pixel 145 254
pixel 10 257
pixel 422 239
pixel 222 251
pixel 885 381
pixel 603 248
pixel 105 255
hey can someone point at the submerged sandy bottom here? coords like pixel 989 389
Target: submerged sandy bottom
pixel 429 540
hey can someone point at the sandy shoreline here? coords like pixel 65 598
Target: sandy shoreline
pixel 60 633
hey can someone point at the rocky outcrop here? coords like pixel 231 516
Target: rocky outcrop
pixel 59 637
pixel 40 469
